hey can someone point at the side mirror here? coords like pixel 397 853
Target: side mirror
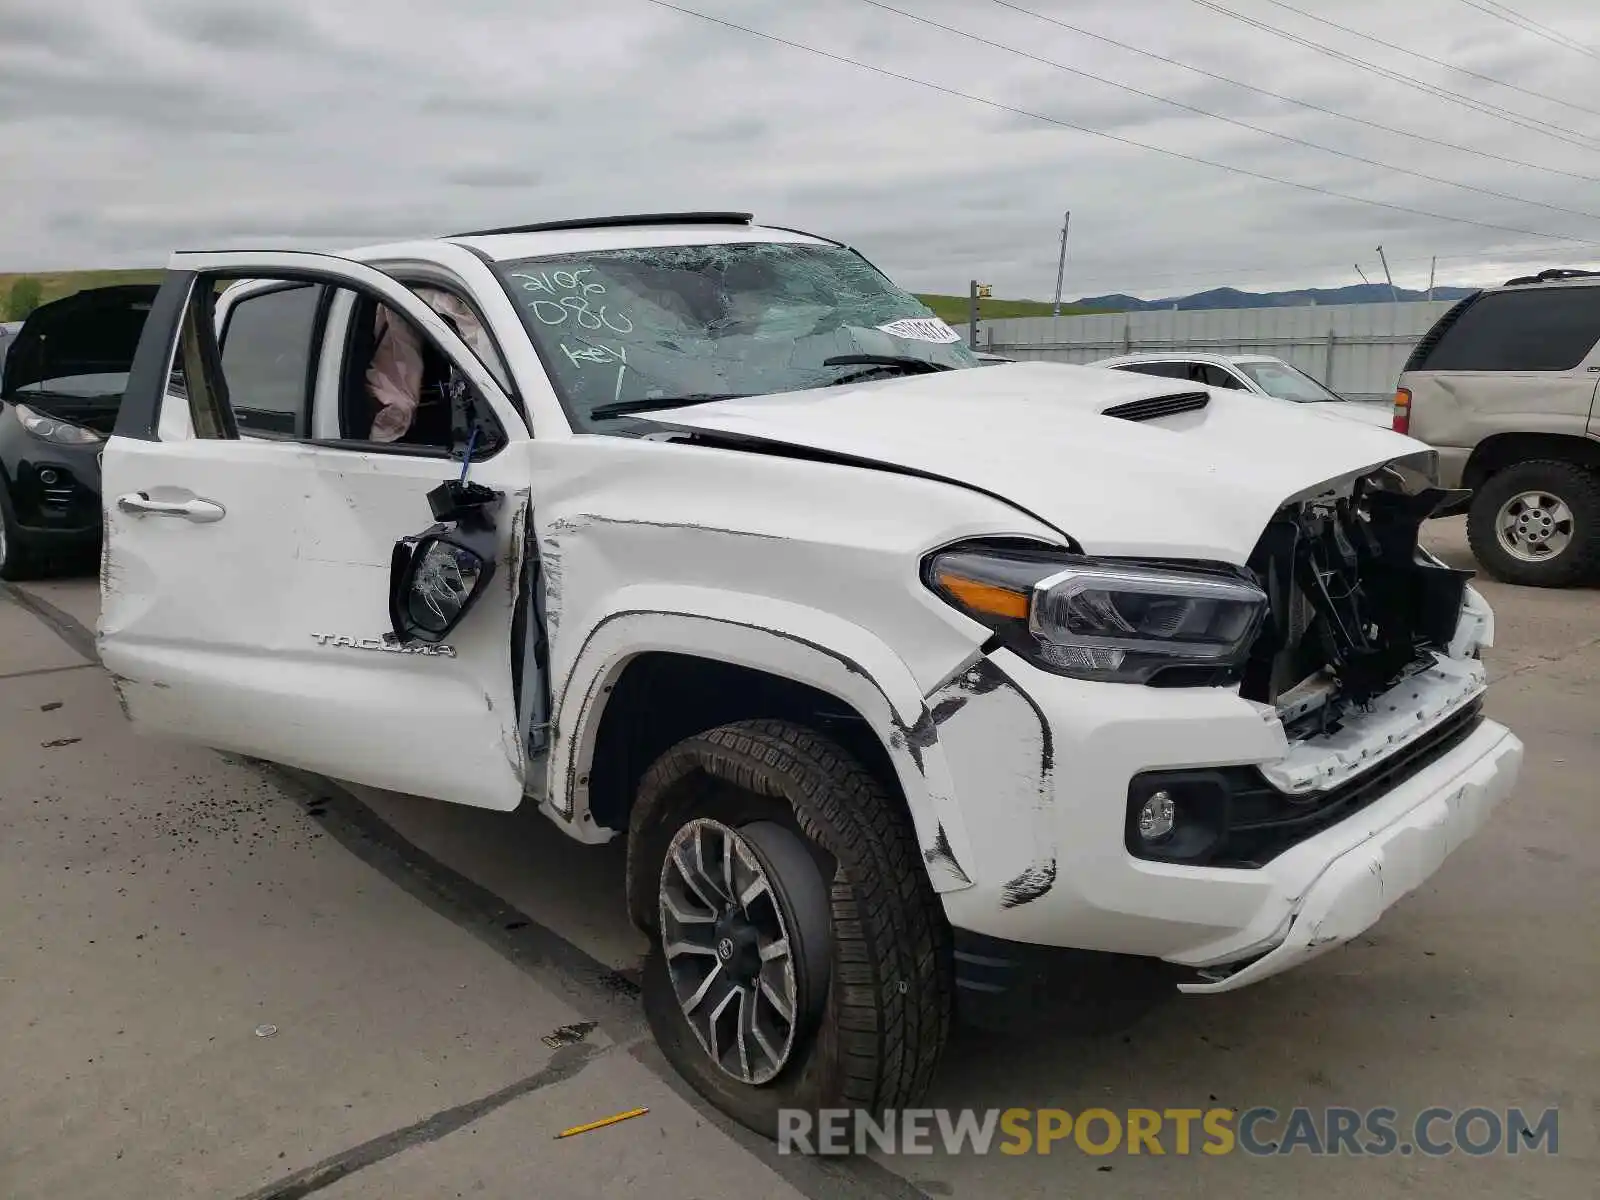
pixel 435 578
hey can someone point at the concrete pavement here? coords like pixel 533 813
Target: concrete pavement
pixel 206 994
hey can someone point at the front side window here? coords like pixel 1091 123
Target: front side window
pixel 619 329
pixel 1287 383
pixel 267 345
pixel 394 388
pixel 1541 329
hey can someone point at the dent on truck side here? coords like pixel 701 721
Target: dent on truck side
pixel 804 571
pixel 992 731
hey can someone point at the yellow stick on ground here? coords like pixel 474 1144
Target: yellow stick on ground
pixel 603 1122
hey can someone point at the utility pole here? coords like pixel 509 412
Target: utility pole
pixel 976 291
pixel 1363 275
pixel 1393 295
pixel 1061 263
pixel 1431 265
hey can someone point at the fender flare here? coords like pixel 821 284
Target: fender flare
pixel 801 644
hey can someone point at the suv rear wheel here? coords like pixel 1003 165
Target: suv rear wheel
pixel 800 958
pixel 1538 523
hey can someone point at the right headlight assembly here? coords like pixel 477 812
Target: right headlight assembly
pixel 1114 620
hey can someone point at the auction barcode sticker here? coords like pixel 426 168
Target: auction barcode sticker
pixel 921 329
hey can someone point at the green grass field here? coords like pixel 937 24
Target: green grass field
pixel 954 308
pixel 951 308
pixel 57 284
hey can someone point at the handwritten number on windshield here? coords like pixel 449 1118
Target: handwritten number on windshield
pixel 564 296
pixel 557 312
pixel 558 283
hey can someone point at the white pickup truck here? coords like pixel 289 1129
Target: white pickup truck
pixel 916 690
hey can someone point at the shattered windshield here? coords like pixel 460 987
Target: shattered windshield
pixel 1281 380
pixel 622 329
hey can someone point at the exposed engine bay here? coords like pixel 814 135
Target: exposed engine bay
pixel 1356 605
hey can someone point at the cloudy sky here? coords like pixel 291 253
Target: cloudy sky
pixel 128 129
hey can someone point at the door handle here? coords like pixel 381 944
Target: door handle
pixel 197 509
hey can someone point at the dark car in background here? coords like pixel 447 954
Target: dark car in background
pixel 60 387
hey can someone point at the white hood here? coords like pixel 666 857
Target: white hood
pixel 1199 485
pixel 1364 412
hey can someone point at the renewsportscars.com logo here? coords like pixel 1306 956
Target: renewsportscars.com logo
pixel 1260 1132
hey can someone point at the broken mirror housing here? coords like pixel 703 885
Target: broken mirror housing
pixel 1100 619
pixel 435 577
pixel 461 500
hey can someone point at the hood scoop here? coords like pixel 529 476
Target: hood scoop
pixel 1157 407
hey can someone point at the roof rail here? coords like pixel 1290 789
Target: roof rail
pixel 1551 276
pixel 680 218
pixel 809 234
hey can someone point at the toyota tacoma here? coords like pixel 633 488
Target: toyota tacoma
pixel 916 692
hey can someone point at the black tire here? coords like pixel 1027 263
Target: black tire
pixel 16 562
pixel 886 1011
pixel 1575 486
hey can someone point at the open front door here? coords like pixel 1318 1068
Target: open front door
pixel 245 580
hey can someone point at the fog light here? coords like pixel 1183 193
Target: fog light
pixel 1157 817
pixel 48 477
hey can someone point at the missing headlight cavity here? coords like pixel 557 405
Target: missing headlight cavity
pixel 1354 606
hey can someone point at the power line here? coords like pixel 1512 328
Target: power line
pixel 1226 119
pixel 1512 17
pixel 1520 120
pixel 1438 62
pixel 1535 27
pixel 1112 137
pixel 1283 137
pixel 1305 104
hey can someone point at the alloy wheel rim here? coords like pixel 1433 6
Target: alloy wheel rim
pixel 1534 526
pixel 726 940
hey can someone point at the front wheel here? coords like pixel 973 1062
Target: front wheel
pixel 15 561
pixel 1538 524
pixel 800 957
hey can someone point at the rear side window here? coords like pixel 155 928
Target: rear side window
pixel 266 357
pixel 1167 370
pixel 1542 329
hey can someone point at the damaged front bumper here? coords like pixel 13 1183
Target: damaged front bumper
pixel 1397 845
pixel 1338 826
pixel 1317 896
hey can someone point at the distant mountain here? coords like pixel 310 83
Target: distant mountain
pixel 1358 293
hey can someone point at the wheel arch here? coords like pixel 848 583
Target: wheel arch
pixel 660 668
pixel 1502 450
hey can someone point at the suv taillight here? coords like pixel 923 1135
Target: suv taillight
pixel 1402 410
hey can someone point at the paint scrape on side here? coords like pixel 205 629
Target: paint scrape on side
pixel 941 861
pixel 1030 885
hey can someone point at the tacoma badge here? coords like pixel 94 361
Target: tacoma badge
pixel 350 643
